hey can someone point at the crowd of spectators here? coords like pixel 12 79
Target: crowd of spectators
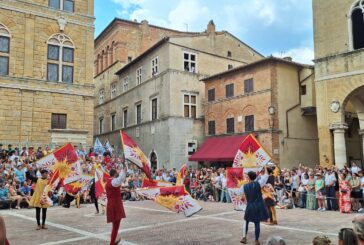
pixel 316 188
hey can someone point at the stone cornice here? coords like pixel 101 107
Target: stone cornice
pixel 338 126
pixel 68 131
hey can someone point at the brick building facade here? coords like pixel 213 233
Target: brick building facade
pixel 46 64
pixel 272 98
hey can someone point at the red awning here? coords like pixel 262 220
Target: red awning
pixel 219 149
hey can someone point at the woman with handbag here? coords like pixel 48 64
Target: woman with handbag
pixel 344 194
pixel 356 193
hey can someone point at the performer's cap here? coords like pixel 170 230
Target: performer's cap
pixel 43 171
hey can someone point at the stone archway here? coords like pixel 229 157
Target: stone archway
pixel 348 135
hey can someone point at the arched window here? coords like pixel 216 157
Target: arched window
pixel 4 50
pixel 98 64
pixel 357 20
pixel 60 67
pixel 107 57
pixel 102 61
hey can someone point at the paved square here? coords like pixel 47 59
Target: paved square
pixel 148 223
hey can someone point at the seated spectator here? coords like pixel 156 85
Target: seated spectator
pixel 321 240
pixel 286 202
pixel 358 224
pixel 13 194
pixel 275 240
pixel 347 237
pixel 4 192
pixel 25 191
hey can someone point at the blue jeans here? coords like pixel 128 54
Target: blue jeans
pixel 224 193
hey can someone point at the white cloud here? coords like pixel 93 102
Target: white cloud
pixel 303 55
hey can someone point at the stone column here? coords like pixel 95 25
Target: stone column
pixel 339 143
pixel 361 134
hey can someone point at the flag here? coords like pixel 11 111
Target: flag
pixel 155 183
pixel 108 147
pixel 79 185
pixel 98 147
pixel 176 199
pixel 251 155
pixel 101 178
pixel 150 193
pixel 134 154
pixel 235 179
pixel 181 174
pixel 59 165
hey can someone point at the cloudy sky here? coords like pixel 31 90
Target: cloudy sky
pixel 278 27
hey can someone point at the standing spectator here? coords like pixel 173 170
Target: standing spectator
pixel 345 205
pixel 303 190
pixel 354 168
pixel 311 195
pixel 295 180
pixel 356 193
pixel 320 192
pixel 224 191
pixel 330 182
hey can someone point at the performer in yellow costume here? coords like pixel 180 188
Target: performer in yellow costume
pixel 39 200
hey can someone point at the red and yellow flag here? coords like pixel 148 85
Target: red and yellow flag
pixel 134 154
pixel 181 174
pixel 235 179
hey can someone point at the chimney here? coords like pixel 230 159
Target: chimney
pixel 211 27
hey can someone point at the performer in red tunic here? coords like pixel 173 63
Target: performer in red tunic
pixel 115 209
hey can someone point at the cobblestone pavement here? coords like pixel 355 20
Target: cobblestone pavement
pixel 148 223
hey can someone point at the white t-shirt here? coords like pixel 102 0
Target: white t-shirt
pixel 355 169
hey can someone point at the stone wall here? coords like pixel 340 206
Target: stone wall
pixel 27 99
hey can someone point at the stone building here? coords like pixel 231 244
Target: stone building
pixel 339 79
pixel 46 64
pixel 271 98
pixel 157 96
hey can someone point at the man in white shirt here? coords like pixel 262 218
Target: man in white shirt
pixel 330 181
pixel 354 168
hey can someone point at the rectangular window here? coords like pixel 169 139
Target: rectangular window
pixel 229 54
pixel 229 90
pixel 113 90
pixel 53 52
pixel 189 62
pixel 4 44
pixel 68 5
pixel 101 125
pixel 230 127
pixel 125 84
pixel 249 123
pixel 67 55
pixel 125 118
pixel 113 122
pixel 101 96
pixel 139 76
pixel 4 66
pixel 58 121
pixel 155 66
pixel 230 67
pixel 211 128
pixel 154 108
pixel 67 74
pixel 211 95
pixel 248 86
pixel 192 147
pixel 189 105
pixel 303 90
pixel 56 4
pixel 138 109
pixel 130 59
pixel 52 72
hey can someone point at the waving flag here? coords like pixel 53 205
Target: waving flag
pixel 181 174
pixel 175 198
pixel 155 183
pixel 108 147
pixel 59 165
pixel 101 178
pixel 235 179
pixel 133 153
pixel 98 147
pixel 251 155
